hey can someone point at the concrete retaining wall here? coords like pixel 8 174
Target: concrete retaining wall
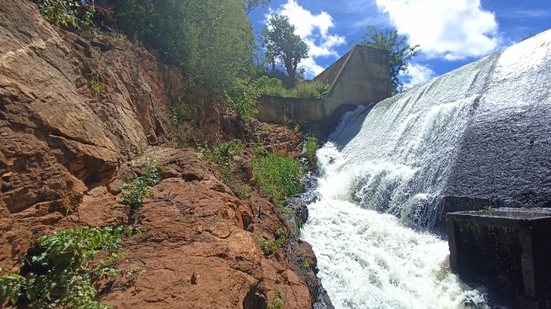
pixel 361 77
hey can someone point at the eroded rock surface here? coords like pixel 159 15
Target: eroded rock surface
pixel 198 246
pixel 75 110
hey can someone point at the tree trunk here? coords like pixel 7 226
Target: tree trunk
pixel 291 74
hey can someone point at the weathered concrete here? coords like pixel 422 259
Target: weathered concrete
pixel 361 77
pixel 507 250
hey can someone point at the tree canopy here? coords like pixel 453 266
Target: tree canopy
pixel 281 42
pixel 249 5
pixel 211 40
pixel 398 52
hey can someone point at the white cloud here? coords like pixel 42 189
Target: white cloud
pixel 417 74
pixel 452 29
pixel 314 30
pixel 311 68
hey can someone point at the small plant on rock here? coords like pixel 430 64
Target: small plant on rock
pixel 277 301
pixel 232 176
pixel 97 82
pixel 311 146
pixel 268 246
pixel 221 153
pixel 179 114
pixel 135 191
pixel 307 264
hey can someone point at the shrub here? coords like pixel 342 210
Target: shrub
pixel 311 146
pixel 62 272
pixel 268 246
pixel 241 98
pixel 97 82
pixel 271 86
pixel 277 176
pixel 222 152
pixel 304 90
pixel 67 13
pixel 211 40
pixel 231 175
pixel 135 191
pixel 311 90
pixel 179 113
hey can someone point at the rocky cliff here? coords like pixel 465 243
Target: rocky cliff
pixel 77 114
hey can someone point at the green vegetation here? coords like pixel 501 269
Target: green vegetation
pixel 277 301
pixel 307 264
pixel 179 113
pixel 250 5
pixel 135 191
pixel 311 146
pixel 306 90
pixel 212 41
pixel 281 42
pixel 230 173
pixel 63 268
pixel 221 153
pixel 269 246
pixel 241 98
pixel 97 82
pixel 398 51
pixel 68 13
pixel 488 210
pixel 278 176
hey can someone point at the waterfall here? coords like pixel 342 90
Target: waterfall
pixel 388 169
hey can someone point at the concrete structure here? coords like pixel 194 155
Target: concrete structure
pixel 507 250
pixel 361 77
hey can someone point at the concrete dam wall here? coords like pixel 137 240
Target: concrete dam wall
pixel 361 77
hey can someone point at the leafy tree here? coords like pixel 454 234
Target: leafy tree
pixel 282 43
pixel 398 51
pixel 250 5
pixel 211 40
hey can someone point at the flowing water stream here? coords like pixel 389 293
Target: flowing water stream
pixel 385 171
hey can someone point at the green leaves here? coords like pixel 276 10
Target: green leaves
pixel 250 5
pixel 306 90
pixel 241 97
pixel 62 273
pixel 211 40
pixel 135 191
pixel 398 52
pixel 11 287
pixel 280 41
pixel 278 176
pixel 277 301
pixel 223 152
pixel 311 146
pixel 68 13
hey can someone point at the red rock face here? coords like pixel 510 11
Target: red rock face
pixel 198 246
pixel 63 148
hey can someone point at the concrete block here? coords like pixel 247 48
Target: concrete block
pixel 508 250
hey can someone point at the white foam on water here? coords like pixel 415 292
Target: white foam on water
pixel 393 170
pixel 368 259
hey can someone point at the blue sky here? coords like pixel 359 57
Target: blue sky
pixel 450 33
